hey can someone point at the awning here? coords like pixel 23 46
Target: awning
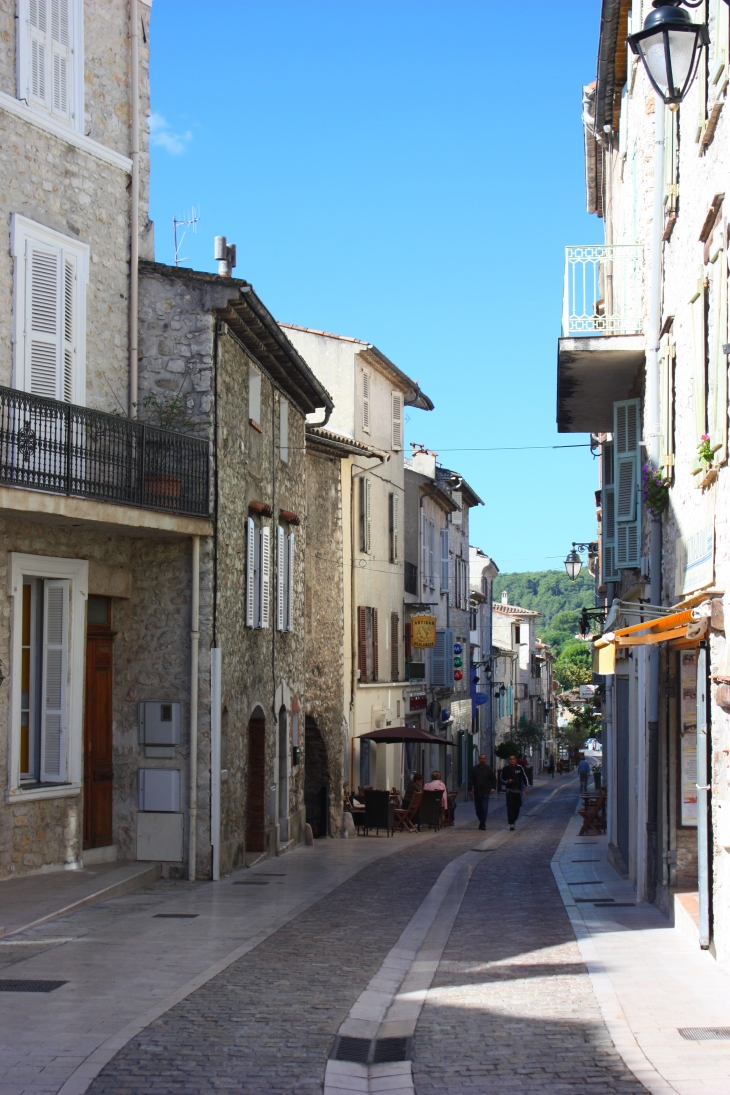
pixel 391 735
pixel 680 629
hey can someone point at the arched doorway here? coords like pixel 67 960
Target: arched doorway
pixel 316 779
pixel 256 786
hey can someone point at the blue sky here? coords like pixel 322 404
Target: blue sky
pixel 407 172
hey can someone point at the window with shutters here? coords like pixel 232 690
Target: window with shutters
pixel 47 672
pixel 442 659
pixel 627 462
pixel 258 575
pixel 366 402
pixel 394 647
pixel 609 573
pixel 431 538
pixel 366 523
pixel 396 421
pixel 367 644
pixel 444 569
pixel 284 580
pixel 51 274
pixel 254 397
pixel 51 58
pixel 393 526
pixel 283 429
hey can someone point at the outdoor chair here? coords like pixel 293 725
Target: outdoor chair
pixel 430 810
pixel 451 810
pixel 593 813
pixel 378 812
pixel 404 818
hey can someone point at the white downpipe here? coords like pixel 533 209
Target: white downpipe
pixel 651 414
pixel 215 759
pixel 194 643
pixel 134 216
pixel 641 773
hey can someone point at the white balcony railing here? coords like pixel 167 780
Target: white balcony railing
pixel 603 290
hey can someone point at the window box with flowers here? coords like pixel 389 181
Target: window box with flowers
pixel 705 455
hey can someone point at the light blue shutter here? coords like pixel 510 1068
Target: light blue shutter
pixel 444 588
pixel 510 699
pixel 442 658
pixel 54 675
pixel 608 516
pixel 626 453
pixel 265 576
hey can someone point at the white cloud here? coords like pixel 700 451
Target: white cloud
pixel 162 136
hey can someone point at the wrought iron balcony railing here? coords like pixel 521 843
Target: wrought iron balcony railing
pixel 52 446
pixel 603 290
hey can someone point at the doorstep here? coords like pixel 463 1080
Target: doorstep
pixel 686 918
pixel 35 899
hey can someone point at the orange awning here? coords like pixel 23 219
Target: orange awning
pixel 680 629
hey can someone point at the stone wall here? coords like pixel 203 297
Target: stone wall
pixel 325 620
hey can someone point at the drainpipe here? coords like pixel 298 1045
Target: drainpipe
pixel 194 643
pixel 134 216
pixel 355 472
pixel 652 435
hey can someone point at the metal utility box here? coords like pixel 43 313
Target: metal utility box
pixel 159 723
pixel 160 837
pixel 159 790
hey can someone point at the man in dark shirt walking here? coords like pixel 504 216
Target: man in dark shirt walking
pixel 513 779
pixel 481 786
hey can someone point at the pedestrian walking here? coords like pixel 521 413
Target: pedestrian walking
pixel 551 766
pixel 584 770
pixel 480 787
pixel 513 779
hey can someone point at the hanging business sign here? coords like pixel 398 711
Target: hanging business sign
pixel 423 632
pixel 695 560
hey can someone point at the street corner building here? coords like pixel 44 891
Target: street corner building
pixel 643 368
pixel 152 493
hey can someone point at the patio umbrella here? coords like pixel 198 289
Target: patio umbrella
pixel 391 735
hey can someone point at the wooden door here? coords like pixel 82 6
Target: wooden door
pixel 98 759
pixel 255 804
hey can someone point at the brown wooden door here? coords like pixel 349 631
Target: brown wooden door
pixel 98 762
pixel 255 805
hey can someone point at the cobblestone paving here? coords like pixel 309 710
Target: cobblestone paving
pixel 511 1008
pixel 266 1024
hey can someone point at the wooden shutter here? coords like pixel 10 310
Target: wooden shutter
pixel 281 578
pixel 250 571
pixel 366 402
pixel 408 648
pixel 444 576
pixel 362 642
pixel 396 408
pixel 54 679
pixel 717 416
pixel 393 522
pixel 626 453
pixel 394 662
pixel 374 612
pixel 424 549
pixel 666 399
pixel 265 576
pixel 290 584
pixel 431 534
pixel 699 367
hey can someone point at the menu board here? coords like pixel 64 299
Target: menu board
pixel 688 736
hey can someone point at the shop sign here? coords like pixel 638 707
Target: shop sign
pixel 423 632
pixel 417 703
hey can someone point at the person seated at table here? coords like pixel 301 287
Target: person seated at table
pixel 436 784
pixel 415 784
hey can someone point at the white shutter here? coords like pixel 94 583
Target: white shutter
pixel 54 681
pixel 250 571
pixel 37 49
pixel 396 402
pixel 456 516
pixel 61 56
pixel 281 578
pixel 394 528
pixel 718 361
pixel 444 583
pixel 43 323
pixel 431 574
pixel 265 576
pixel 290 585
pixel 366 517
pixel 720 44
pixel 69 343
pixel 698 396
pixel 366 402
pixel 424 549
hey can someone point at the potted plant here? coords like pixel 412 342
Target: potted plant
pixel 654 491
pixel 705 455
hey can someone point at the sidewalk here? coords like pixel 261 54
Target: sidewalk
pixel 650 981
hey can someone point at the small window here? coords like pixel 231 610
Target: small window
pixel 284 430
pixel 396 407
pixel 367 643
pixel 366 402
pixel 254 397
pixel 44 659
pixel 50 58
pixel 517 635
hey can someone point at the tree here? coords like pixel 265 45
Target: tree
pixel 507 749
pixel 586 723
pixel 575 665
pixel 529 735
pixel 550 592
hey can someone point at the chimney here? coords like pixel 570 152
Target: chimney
pixel 225 256
pixel 505 597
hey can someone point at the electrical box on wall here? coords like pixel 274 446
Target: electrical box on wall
pixel 159 723
pixel 159 790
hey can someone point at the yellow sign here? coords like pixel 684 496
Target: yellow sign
pixel 423 632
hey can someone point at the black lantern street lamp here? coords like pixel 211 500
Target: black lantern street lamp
pixel 669 46
pixel 573 564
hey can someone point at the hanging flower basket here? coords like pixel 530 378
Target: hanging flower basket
pixel 654 491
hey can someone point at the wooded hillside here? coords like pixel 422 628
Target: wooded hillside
pixel 553 594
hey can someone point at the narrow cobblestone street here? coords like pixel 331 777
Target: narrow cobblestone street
pixel 511 1007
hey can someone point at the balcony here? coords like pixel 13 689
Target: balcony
pixel 56 447
pixel 601 349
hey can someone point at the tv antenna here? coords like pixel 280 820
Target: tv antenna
pixel 187 221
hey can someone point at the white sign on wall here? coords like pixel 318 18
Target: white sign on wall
pixel 695 560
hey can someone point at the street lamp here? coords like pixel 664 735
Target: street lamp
pixel 669 46
pixel 573 561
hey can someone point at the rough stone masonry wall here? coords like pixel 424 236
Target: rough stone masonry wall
pixel 325 619
pixel 72 192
